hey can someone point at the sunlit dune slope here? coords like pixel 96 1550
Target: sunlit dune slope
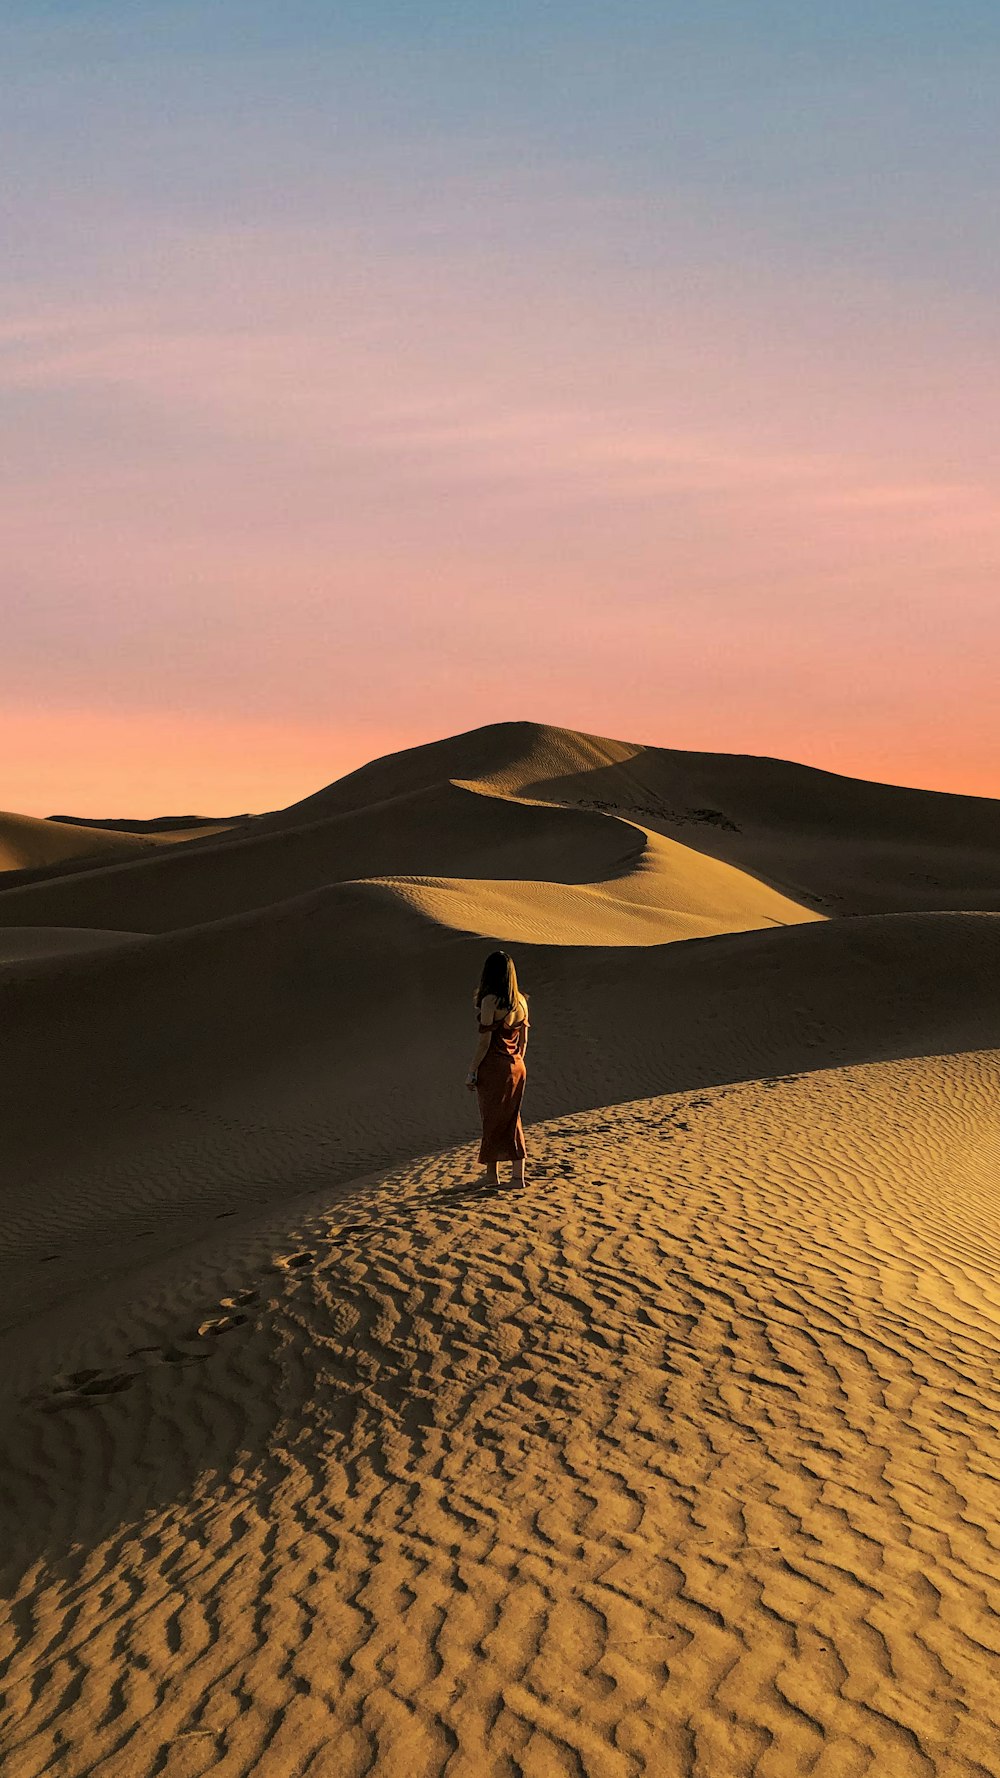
pixel 683 1462
pixel 671 893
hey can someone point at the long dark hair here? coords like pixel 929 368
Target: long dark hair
pixel 499 977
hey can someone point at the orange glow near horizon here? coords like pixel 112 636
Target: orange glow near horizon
pixel 139 765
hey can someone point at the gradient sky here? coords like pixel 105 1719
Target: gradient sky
pixel 369 371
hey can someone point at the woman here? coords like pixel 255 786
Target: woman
pixel 498 1072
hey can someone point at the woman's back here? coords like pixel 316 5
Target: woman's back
pixel 509 1018
pixel 498 1071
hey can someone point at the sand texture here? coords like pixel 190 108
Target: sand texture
pixel 322 1457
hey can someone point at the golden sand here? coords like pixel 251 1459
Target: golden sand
pixel 321 1458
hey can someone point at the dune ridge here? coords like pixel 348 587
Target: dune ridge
pixel 321 1458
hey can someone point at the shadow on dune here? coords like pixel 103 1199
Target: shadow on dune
pixel 154 1086
pixel 844 845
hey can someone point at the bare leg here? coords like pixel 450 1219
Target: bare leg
pixel 491 1173
pixel 517 1172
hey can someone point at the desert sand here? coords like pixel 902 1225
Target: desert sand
pixel 320 1457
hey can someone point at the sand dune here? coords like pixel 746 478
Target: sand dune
pixel 684 1460
pixel 519 802
pixel 851 846
pixel 180 827
pixel 21 943
pixel 29 844
pixel 845 845
pixel 32 849
pixel 671 893
pixel 445 827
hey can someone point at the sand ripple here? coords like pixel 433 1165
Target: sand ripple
pixel 683 1460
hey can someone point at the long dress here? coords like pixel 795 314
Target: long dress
pixel 500 1082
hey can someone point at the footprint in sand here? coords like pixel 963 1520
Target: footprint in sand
pixel 292 1262
pixel 220 1324
pixel 91 1384
pixel 111 1384
pixel 83 1386
pixel 185 1352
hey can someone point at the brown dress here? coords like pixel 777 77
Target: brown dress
pixel 500 1082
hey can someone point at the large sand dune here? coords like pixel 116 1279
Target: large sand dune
pixel 320 1458
pixel 850 846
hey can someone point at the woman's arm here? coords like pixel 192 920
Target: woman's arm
pixel 487 1013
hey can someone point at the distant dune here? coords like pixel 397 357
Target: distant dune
pixel 28 844
pixel 184 826
pixel 31 848
pixel 684 1460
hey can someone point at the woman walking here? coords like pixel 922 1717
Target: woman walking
pixel 498 1073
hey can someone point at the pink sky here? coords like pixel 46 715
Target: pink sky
pixel 285 492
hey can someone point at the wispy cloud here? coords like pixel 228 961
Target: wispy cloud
pixel 316 392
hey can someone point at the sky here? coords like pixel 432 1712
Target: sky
pixel 369 372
